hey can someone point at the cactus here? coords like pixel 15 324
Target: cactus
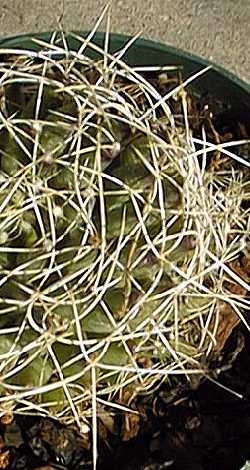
pixel 116 237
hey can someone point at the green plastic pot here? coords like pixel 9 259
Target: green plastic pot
pixel 221 85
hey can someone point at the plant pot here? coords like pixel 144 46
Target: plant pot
pixel 221 84
pixel 225 90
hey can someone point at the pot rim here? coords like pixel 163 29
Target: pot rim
pixel 140 43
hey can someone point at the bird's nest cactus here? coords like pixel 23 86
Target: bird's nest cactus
pixel 119 238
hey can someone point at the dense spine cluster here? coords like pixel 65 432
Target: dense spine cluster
pixel 118 241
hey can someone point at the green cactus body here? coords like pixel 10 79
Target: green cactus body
pixel 117 239
pixel 12 156
pixel 96 323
